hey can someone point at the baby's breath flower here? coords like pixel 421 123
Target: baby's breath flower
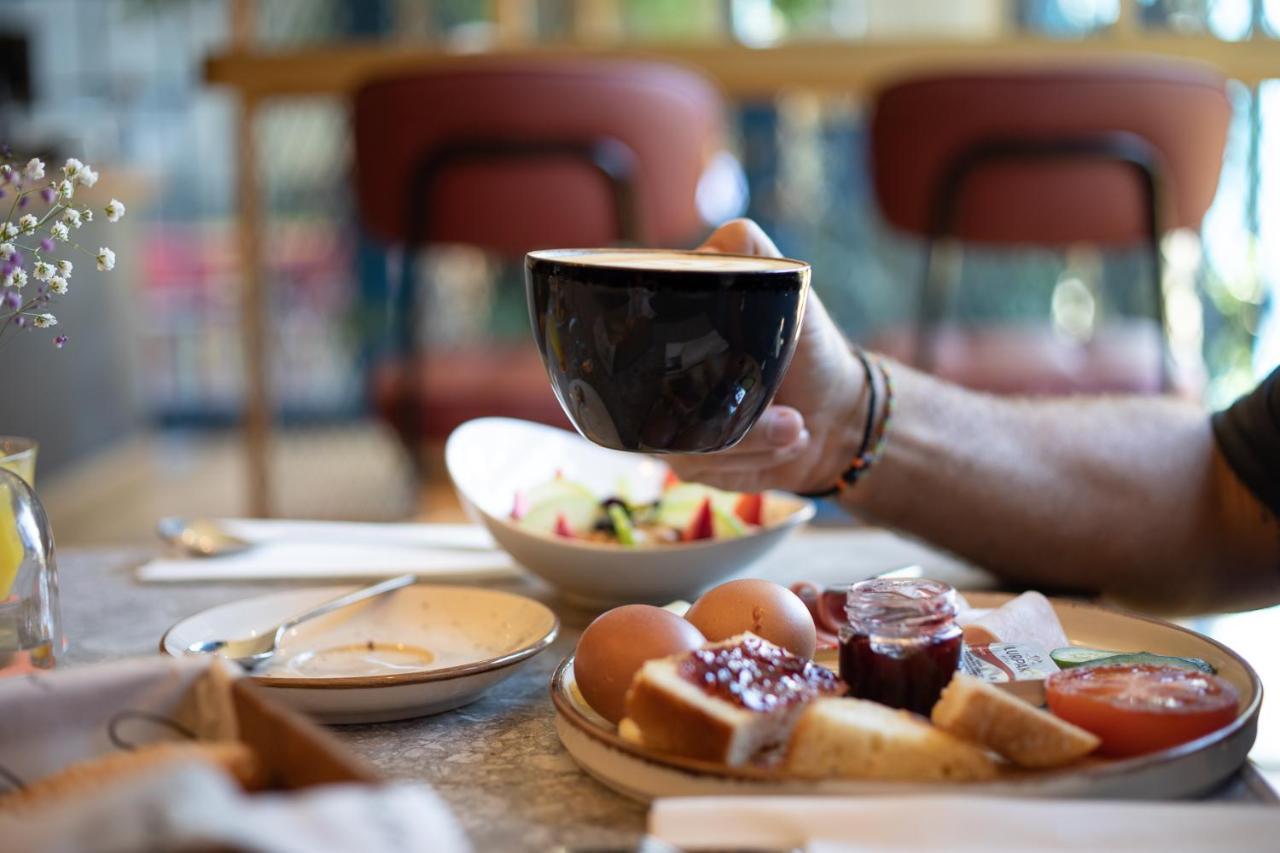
pixel 8 231
pixel 44 321
pixel 16 279
pixel 106 259
pixel 35 169
pixel 87 177
pixel 58 285
pixel 60 341
pixel 71 216
pixel 72 168
pixel 65 268
pixel 42 271
pixel 66 189
pixel 48 194
pixel 114 210
pixel 87 213
pixel 7 251
pixel 27 224
pixel 60 231
pixel 6 173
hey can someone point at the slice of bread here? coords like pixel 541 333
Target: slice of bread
pixel 857 739
pixel 1029 737
pixel 670 712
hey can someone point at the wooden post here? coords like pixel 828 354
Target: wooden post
pixel 254 302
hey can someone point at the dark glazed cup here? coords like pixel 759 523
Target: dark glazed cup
pixel 662 351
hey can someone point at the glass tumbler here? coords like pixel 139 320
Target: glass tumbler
pixel 30 618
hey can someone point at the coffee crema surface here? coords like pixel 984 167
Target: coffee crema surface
pixel 649 259
pixel 664 351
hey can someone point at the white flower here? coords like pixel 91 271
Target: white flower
pixel 7 251
pixel 66 189
pixel 65 268
pixel 6 173
pixel 17 278
pixel 59 231
pixel 35 169
pixel 27 224
pixel 106 259
pixel 72 169
pixel 58 285
pixel 9 231
pixel 71 216
pixel 87 213
pixel 42 271
pixel 114 210
pixel 87 177
pixel 44 321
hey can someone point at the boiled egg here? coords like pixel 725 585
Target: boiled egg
pixel 762 607
pixel 617 644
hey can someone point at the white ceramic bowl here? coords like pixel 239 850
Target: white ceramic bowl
pixel 490 459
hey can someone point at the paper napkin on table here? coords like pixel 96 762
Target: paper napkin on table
pixel 960 823
pixel 307 550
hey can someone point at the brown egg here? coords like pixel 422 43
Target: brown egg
pixel 764 608
pixel 617 643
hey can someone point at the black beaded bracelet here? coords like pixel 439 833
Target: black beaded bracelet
pixel 841 482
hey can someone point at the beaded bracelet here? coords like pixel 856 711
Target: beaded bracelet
pixel 874 435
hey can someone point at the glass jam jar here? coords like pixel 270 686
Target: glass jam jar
pixel 900 644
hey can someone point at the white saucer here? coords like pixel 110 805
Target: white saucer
pixel 421 650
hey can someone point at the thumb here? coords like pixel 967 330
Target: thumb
pixel 741 237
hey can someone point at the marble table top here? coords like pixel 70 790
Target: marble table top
pixel 497 761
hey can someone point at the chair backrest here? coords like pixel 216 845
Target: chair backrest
pixel 508 143
pixel 922 127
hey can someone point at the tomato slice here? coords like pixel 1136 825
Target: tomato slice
pixel 1140 708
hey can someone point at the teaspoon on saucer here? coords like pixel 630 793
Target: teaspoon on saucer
pixel 251 652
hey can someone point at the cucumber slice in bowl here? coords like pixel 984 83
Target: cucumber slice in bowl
pixel 1079 655
pixel 560 499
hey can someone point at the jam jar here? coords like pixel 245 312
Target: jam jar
pixel 900 644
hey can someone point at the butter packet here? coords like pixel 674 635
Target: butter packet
pixel 1020 668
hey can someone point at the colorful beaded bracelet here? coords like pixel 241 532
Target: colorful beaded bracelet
pixel 874 435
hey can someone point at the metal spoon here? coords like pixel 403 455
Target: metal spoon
pixel 201 537
pixel 253 651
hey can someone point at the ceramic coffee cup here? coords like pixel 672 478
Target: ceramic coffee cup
pixel 659 351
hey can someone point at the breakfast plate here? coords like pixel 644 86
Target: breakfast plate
pixel 421 650
pixel 1183 771
pixel 491 460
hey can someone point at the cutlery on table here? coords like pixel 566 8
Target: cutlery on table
pixel 206 537
pixel 251 652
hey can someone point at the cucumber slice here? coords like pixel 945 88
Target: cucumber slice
pixel 1077 655
pixel 726 525
pixel 679 504
pixel 1146 658
pixel 622 525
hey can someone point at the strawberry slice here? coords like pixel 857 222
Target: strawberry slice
pixel 702 525
pixel 519 506
pixel 670 481
pixel 750 508
pixel 562 527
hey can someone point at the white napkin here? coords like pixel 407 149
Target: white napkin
pixel 307 550
pixel 960 823
pixel 194 807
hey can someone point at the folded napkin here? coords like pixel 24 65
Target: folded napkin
pixel 960 823
pixel 308 550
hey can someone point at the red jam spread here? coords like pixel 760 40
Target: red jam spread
pixel 757 675
pixel 910 678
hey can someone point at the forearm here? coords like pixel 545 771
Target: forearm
pixel 1123 496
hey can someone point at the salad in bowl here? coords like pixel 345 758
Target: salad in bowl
pixel 604 526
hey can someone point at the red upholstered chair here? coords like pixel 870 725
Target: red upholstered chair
pixel 510 156
pixel 1113 156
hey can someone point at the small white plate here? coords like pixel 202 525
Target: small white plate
pixel 421 650
pixel 491 459
pixel 1183 771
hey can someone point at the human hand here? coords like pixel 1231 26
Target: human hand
pixel 807 437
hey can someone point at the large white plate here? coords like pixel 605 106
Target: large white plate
pixel 491 459
pixel 421 650
pixel 1184 771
